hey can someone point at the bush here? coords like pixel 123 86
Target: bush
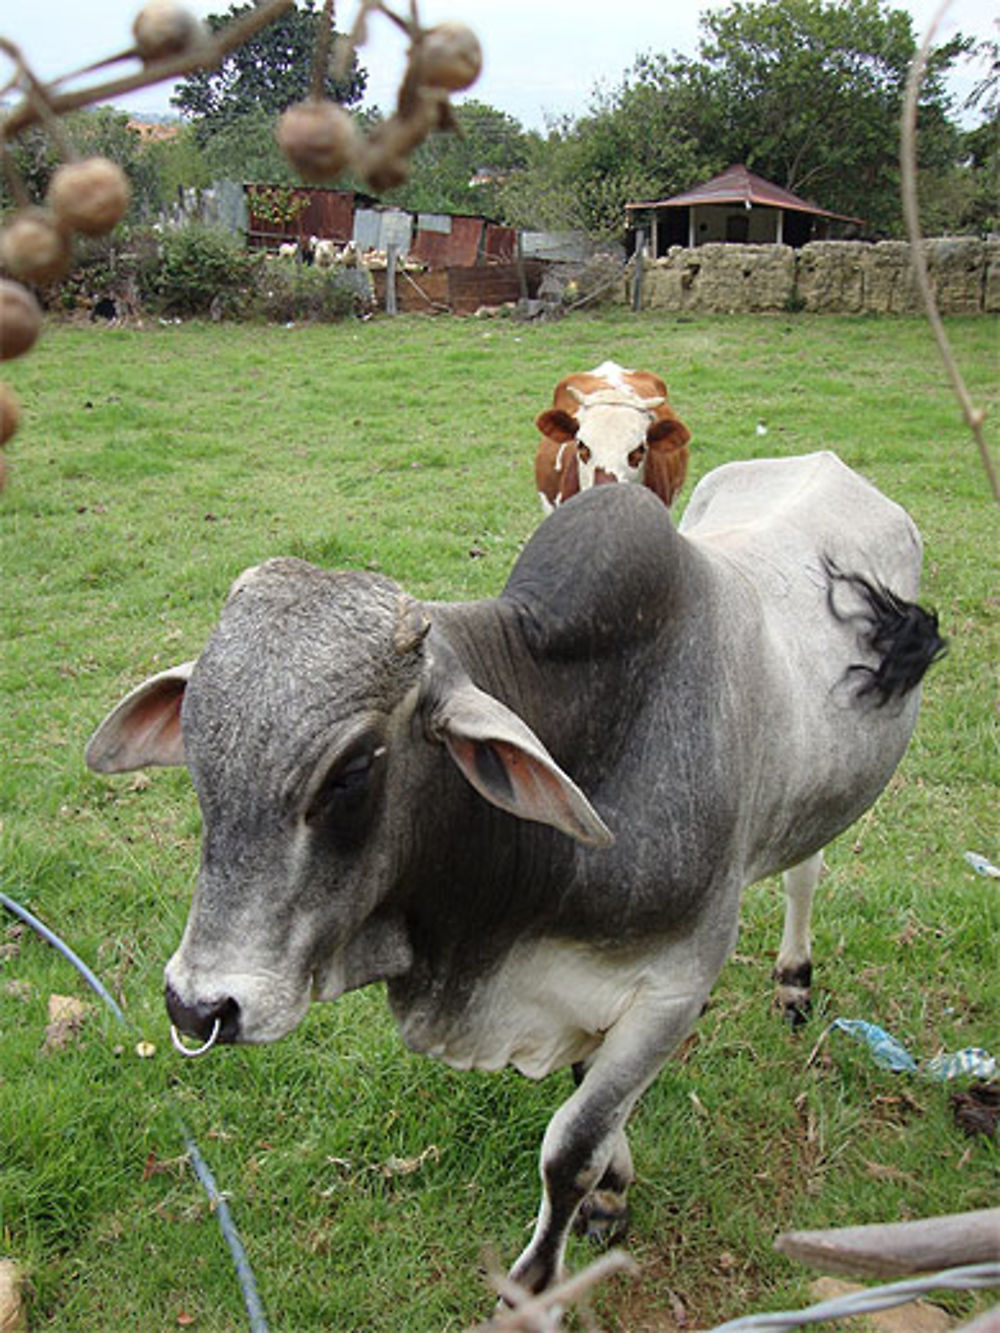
pixel 111 271
pixel 201 271
pixel 194 270
pixel 289 291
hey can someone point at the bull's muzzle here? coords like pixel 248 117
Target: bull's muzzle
pixel 218 1021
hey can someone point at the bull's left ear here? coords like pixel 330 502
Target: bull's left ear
pixel 145 728
pixel 509 766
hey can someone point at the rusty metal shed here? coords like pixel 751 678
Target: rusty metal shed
pixel 326 213
pixel 438 240
pixel 736 206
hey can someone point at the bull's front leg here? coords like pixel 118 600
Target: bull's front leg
pixel 603 1215
pixel 584 1149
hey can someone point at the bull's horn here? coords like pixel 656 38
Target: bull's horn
pixel 615 398
pixel 411 626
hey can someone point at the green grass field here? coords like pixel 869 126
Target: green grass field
pixel 369 1185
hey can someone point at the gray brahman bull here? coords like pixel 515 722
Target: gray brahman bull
pixel 386 795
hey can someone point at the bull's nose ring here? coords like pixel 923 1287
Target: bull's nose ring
pixel 191 1051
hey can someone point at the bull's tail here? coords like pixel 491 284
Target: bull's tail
pixel 903 636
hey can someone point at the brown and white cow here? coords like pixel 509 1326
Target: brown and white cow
pixel 610 424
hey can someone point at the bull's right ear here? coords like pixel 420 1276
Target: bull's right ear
pixel 503 759
pixel 145 728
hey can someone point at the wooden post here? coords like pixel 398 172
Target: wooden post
pixel 637 272
pixel 522 277
pixel 390 279
pixel 885 1249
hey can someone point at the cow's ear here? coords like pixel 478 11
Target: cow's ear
pixel 668 433
pixel 557 425
pixel 145 728
pixel 666 459
pixel 509 766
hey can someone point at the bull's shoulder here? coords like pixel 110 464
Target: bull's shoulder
pixel 606 568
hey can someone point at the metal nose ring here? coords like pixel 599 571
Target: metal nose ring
pixel 191 1051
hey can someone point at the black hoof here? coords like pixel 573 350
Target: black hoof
pixel 795 1012
pixel 602 1219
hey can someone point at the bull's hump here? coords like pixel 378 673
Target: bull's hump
pixel 606 566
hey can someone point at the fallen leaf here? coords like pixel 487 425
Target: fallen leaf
pixel 678 1309
pixel 66 1018
pixel 405 1166
pixel 882 1172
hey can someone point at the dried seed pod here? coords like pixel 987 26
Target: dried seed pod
pixel 385 158
pixel 90 196
pixel 10 413
pixel 449 56
pixel 385 171
pixel 165 28
pixel 20 320
pixel 319 139
pixel 34 247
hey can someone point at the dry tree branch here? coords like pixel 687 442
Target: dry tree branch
pixel 974 417
pixel 205 55
pixel 321 51
pixel 543 1313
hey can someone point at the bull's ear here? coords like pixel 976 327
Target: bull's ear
pixel 145 728
pixel 667 457
pixel 557 425
pixel 508 765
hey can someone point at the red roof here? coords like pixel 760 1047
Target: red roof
pixel 737 185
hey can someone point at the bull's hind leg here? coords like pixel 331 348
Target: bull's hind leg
pixel 793 970
pixel 583 1145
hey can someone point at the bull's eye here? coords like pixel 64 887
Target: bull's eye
pixel 637 455
pixel 343 795
pixel 583 451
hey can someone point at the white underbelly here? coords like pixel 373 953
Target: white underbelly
pixel 547 1007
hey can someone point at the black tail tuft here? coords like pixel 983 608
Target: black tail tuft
pixel 904 636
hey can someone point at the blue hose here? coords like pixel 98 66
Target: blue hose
pixel 244 1273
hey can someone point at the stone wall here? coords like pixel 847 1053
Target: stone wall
pixel 828 277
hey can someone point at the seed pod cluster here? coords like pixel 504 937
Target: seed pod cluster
pixel 322 141
pixel 165 28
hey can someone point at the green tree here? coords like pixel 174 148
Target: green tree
pixel 807 93
pixel 266 74
pixel 103 132
pixel 489 144
pixel 245 149
pixel 177 163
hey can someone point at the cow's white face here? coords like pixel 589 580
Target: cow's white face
pixel 611 443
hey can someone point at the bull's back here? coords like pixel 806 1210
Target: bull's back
pixel 776 514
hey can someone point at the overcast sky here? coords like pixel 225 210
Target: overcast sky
pixel 543 58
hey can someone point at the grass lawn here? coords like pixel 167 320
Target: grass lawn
pixel 368 1184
